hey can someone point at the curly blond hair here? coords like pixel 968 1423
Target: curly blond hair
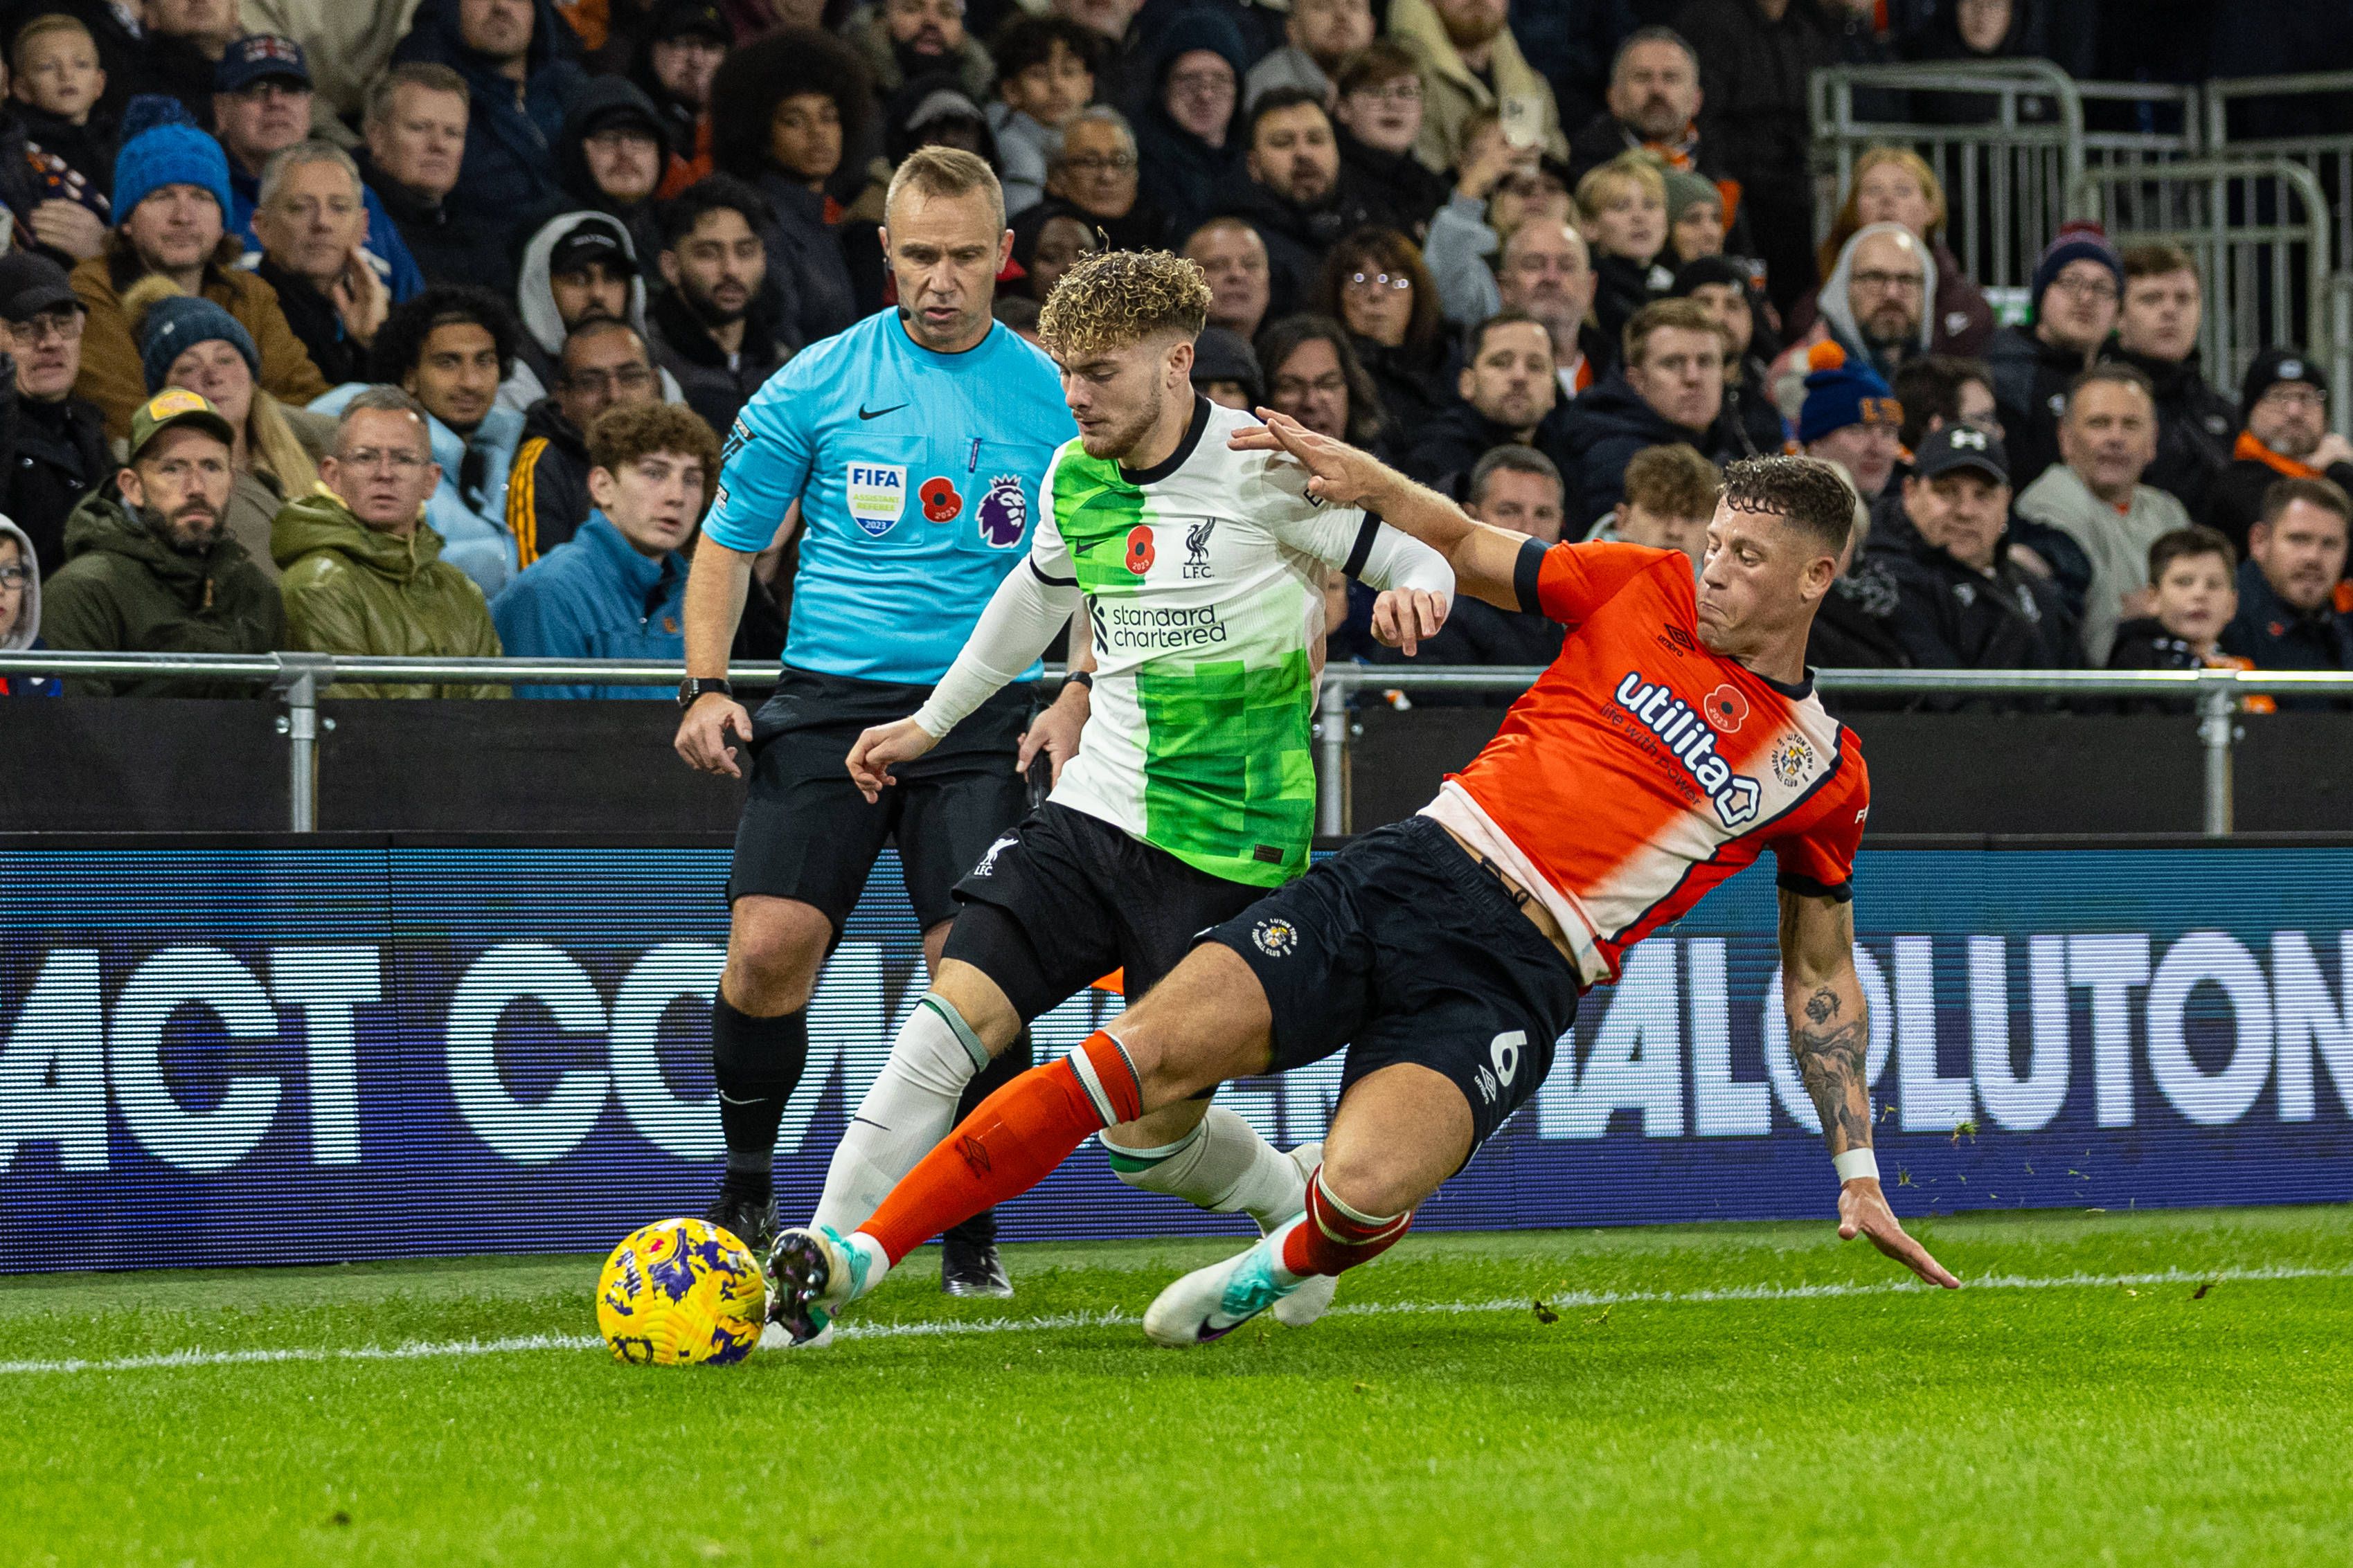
pixel 1115 298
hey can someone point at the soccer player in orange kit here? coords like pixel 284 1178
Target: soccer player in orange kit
pixel 1675 738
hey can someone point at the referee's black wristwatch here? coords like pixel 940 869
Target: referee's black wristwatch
pixel 693 689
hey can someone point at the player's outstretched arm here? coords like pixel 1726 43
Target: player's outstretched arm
pixel 1021 618
pixel 1485 560
pixel 1829 1034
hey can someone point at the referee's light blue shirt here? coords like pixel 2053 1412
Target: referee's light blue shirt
pixel 917 474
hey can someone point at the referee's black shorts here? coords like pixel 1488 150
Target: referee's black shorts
pixel 807 833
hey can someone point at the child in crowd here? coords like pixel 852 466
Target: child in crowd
pixel 1625 205
pixel 71 144
pixel 2191 574
pixel 1695 216
pixel 20 610
pixel 1046 73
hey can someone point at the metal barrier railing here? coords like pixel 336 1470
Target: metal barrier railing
pixel 298 679
pixel 2259 230
pixel 2007 174
pixel 2329 157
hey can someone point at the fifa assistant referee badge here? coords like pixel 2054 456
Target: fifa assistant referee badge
pixel 693 690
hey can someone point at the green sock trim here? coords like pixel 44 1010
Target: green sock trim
pixel 963 1031
pixel 1128 1162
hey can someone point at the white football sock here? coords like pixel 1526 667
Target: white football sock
pixel 910 1107
pixel 1222 1165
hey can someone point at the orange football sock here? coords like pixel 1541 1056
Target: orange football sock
pixel 1009 1144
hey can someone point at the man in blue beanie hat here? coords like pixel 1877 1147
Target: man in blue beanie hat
pixel 2076 290
pixel 171 203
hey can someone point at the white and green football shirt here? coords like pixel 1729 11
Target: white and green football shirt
pixel 1204 578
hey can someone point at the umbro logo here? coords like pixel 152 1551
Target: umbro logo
pixel 866 413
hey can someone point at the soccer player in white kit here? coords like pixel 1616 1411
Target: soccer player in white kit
pixel 1192 793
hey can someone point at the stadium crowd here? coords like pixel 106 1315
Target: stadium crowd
pixel 412 326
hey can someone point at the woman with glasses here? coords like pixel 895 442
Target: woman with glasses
pixel 1314 375
pixel 192 343
pixel 1376 285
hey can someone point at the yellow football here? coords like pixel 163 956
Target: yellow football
pixel 681 1292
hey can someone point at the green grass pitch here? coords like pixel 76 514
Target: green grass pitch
pixel 2157 1388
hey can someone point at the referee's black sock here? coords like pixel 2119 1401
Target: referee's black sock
pixel 757 1064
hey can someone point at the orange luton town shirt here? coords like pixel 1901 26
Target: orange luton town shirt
pixel 1641 770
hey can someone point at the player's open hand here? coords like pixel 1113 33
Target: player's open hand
pixel 703 734
pixel 1056 733
pixel 1408 617
pixel 1863 1211
pixel 877 748
pixel 1339 473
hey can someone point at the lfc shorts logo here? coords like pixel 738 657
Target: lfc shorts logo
pixel 988 862
pixel 1274 937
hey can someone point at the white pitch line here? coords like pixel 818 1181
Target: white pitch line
pixel 435 1350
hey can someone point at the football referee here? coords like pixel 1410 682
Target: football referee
pixel 914 443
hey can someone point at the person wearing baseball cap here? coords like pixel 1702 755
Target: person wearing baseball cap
pixel 1849 418
pixel 262 98
pixel 2077 289
pixel 674 67
pixel 611 155
pixel 578 265
pixel 2283 434
pixel 151 566
pixel 1961 602
pixel 54 452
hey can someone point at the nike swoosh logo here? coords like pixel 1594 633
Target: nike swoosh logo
pixel 733 1100
pixel 876 1125
pixel 866 413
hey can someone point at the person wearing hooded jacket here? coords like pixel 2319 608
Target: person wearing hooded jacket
pixel 1453 90
pixel 1884 350
pixel 607 103
pixel 1185 172
pixel 543 322
pixel 137 580
pixel 509 165
pixel 362 572
pixel 467 508
pixel 894 62
pixel 20 611
pixel 1896 184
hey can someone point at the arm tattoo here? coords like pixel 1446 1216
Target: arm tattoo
pixel 1831 1058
